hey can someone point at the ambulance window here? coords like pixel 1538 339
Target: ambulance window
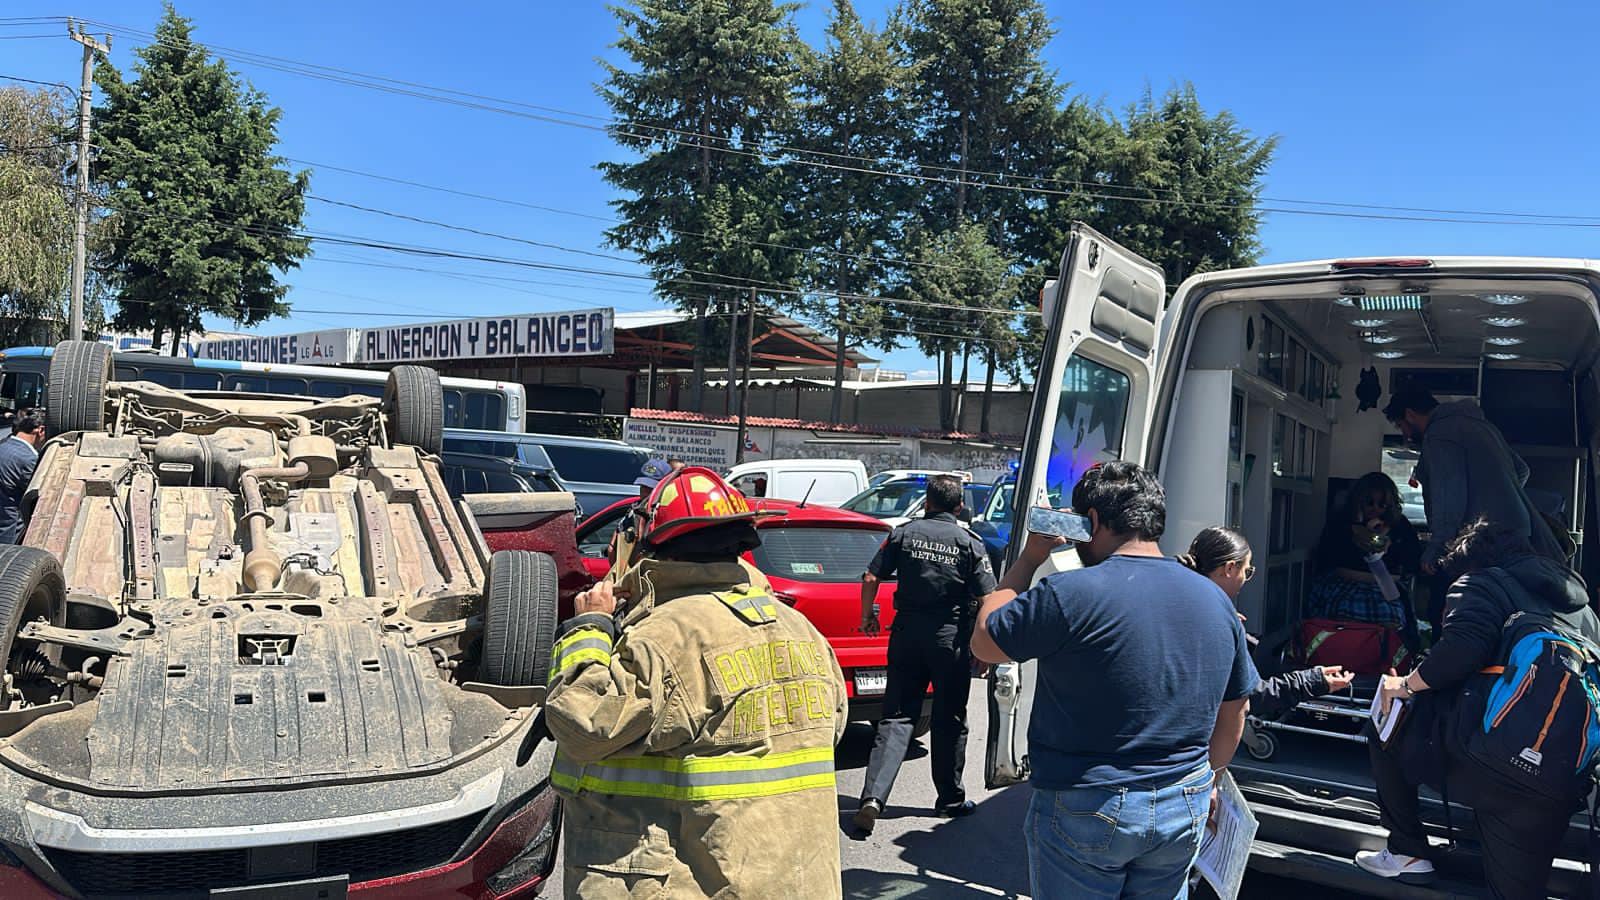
pixel 1089 424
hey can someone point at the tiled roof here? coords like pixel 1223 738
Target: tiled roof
pixel 678 415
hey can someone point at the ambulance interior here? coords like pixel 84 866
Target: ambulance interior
pixel 1270 405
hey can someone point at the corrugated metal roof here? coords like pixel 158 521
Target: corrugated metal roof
pixel 657 318
pixel 678 415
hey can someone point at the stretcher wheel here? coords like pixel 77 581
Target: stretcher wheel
pixel 1261 744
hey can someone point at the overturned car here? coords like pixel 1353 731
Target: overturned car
pixel 253 650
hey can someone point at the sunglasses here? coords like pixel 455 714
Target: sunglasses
pixel 1249 572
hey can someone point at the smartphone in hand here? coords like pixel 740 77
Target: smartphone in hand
pixel 1058 523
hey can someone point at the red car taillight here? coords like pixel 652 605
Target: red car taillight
pixel 514 857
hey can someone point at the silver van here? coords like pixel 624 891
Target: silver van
pixel 1254 394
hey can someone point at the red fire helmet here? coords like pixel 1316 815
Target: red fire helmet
pixel 693 498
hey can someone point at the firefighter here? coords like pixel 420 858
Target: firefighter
pixel 695 717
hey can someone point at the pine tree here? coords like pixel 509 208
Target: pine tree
pixel 989 115
pixel 854 108
pixel 709 83
pixel 956 282
pixel 1190 183
pixel 203 217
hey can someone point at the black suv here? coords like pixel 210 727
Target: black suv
pixel 477 473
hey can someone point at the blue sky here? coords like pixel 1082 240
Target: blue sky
pixel 1467 106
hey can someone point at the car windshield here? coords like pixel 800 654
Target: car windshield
pixel 597 464
pixel 999 508
pixel 826 555
pixel 888 500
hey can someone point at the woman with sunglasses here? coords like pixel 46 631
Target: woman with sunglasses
pixel 1223 555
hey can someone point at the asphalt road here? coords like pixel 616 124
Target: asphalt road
pixel 913 854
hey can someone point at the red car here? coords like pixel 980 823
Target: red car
pixel 814 557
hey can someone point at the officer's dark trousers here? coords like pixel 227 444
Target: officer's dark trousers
pixel 920 654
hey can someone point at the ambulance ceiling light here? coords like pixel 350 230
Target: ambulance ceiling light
pixel 1504 299
pixel 1504 321
pixel 1393 303
pixel 1389 354
pixel 1504 356
pixel 1502 340
pixel 1369 323
pixel 1381 339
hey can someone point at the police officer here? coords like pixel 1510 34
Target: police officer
pixel 695 729
pixel 943 572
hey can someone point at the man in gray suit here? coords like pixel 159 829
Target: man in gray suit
pixel 18 456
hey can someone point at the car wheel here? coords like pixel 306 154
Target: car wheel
pixel 31 588
pixel 414 403
pixel 519 618
pixel 75 396
pixel 924 725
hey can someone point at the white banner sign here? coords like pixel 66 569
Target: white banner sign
pixel 585 332
pixel 332 347
pixel 697 445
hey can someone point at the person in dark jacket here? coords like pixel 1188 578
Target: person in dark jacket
pixel 943 572
pixel 1223 555
pixel 1467 472
pixel 19 454
pixel 1519 832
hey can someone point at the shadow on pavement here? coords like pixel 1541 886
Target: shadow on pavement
pixel 855 748
pixel 980 855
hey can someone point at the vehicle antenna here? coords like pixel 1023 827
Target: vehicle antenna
pixel 808 494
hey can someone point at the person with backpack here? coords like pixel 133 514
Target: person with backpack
pixel 1502 714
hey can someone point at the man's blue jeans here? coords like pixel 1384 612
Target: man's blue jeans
pixel 1117 842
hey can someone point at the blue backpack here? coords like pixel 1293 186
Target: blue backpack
pixel 1536 722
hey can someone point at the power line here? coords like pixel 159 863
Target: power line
pixel 54 84
pixel 743 284
pixel 414 89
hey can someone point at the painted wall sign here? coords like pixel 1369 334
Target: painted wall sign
pixel 697 445
pixel 577 333
pixel 311 348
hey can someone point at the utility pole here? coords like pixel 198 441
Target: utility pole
pixel 744 392
pixel 80 240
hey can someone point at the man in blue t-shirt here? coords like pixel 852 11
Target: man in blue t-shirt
pixel 1143 674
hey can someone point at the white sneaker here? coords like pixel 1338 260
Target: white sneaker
pixel 1386 864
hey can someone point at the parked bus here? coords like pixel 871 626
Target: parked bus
pixel 468 402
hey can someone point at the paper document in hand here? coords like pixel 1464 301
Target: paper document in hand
pixel 1225 846
pixel 1386 720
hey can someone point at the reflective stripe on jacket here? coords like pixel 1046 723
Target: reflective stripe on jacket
pixel 695 739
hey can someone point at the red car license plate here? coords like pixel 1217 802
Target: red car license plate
pixel 871 681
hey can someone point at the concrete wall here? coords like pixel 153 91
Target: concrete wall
pixel 911 406
pixel 985 462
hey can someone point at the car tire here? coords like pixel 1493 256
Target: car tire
pixel 924 725
pixel 31 587
pixel 414 403
pixel 519 618
pixel 75 395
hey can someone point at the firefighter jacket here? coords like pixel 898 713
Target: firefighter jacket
pixel 694 742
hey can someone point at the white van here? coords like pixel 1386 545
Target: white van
pixel 1255 395
pixel 828 482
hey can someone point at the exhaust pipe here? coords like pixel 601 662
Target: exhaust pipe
pixel 262 565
